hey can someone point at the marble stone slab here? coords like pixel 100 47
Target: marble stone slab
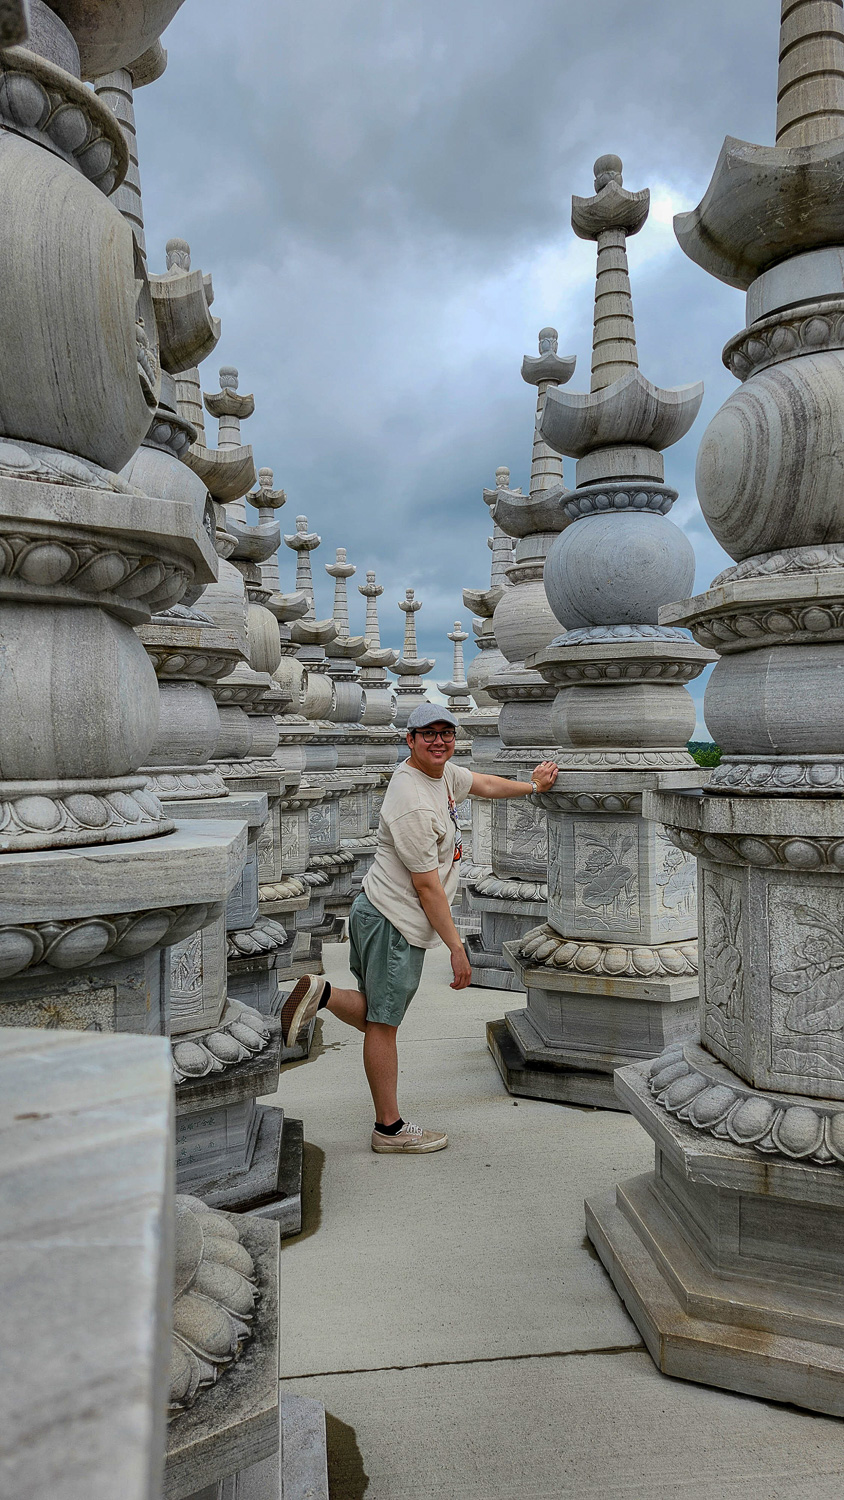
pixel 86 1263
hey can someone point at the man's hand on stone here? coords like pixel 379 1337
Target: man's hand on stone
pixel 460 968
pixel 545 774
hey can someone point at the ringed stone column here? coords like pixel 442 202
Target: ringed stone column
pixel 612 975
pixel 728 1254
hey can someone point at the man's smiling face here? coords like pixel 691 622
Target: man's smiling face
pixel 432 758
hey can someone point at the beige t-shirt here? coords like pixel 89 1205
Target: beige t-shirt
pixel 415 832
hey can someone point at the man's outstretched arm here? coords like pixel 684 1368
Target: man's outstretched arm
pixel 429 889
pixel 544 776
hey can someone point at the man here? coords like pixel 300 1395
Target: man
pixel 403 909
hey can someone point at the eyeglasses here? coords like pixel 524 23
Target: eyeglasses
pixel 431 735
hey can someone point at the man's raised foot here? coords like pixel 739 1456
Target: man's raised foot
pixel 301 1006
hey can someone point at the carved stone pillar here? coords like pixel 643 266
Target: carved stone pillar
pixel 727 1256
pixel 612 975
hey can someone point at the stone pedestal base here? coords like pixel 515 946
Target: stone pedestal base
pixel 578 1028
pixel 503 920
pixel 532 1070
pixel 727 1256
pixel 527 1073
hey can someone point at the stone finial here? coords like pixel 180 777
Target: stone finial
pixel 457 691
pixel 303 544
pixel 340 571
pixel 810 85
pixel 549 368
pixel 265 499
pixel 229 407
pixel 177 252
pixel 411 606
pixel 372 592
pixel 609 217
pixel 409 661
pixel 376 658
pixel 500 544
pixel 458 635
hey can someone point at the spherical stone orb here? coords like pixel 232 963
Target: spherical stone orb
pixel 618 570
pixel 769 466
pixel 783 700
pixel 524 621
pixel 91 695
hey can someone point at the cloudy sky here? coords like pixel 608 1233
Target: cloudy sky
pixel 382 193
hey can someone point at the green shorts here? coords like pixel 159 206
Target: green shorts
pixel 386 966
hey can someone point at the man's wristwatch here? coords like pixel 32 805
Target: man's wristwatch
pixel 534 788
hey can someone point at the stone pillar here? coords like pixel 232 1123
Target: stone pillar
pixel 482 724
pixel 612 976
pixel 379 703
pixel 87 557
pixel 410 669
pixel 344 654
pixel 727 1255
pixel 511 897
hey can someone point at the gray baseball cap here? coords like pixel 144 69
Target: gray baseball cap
pixel 430 713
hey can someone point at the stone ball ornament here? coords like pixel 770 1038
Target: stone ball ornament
pixel 617 570
pixel 769 467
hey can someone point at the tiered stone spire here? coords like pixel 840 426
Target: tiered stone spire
pixel 303 542
pixel 549 368
pixel 751 1115
pixel 267 501
pixel 409 667
pixel 457 690
pixel 621 716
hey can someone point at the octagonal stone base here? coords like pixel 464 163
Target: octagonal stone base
pixel 727 1259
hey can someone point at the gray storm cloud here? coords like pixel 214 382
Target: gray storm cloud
pixel 381 192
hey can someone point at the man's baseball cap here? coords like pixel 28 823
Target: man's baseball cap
pixel 430 713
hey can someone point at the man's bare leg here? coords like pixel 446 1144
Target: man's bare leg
pixel 348 1006
pixel 381 1062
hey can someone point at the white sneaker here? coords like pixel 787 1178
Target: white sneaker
pixel 411 1140
pixel 300 1006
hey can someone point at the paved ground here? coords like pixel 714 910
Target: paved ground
pixel 453 1318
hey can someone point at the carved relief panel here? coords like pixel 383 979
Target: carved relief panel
pixel 519 839
pixel 324 827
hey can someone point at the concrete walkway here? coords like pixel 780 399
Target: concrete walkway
pixel 453 1318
